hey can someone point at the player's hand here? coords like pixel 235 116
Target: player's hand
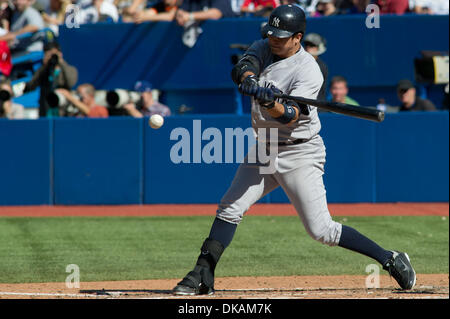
pixel 265 97
pixel 249 85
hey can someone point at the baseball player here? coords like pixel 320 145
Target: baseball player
pixel 277 63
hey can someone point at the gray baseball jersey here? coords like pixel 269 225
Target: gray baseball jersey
pixel 299 166
pixel 298 75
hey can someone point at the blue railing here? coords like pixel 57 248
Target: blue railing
pixel 121 160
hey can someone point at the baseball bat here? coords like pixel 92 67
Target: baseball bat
pixel 361 112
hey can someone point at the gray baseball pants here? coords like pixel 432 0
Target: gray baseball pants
pixel 299 172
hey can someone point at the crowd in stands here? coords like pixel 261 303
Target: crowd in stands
pixel 52 13
pixel 19 17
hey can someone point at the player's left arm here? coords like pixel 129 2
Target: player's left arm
pixel 285 113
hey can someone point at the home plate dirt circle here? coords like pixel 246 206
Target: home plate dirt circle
pixel 429 286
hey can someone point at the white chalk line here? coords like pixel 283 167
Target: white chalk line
pixel 43 294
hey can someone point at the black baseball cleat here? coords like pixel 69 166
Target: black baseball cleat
pixel 191 285
pixel 400 268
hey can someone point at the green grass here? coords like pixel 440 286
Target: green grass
pixel 131 248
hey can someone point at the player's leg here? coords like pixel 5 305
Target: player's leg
pixel 306 191
pixel 248 187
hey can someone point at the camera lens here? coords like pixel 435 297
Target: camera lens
pixel 4 95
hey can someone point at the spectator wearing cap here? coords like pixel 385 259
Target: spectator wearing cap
pixel 86 101
pixel 315 45
pixel 339 91
pixel 393 6
pixel 147 106
pixel 409 100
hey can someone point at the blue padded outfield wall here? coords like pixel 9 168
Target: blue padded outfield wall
pixel 373 60
pixel 69 161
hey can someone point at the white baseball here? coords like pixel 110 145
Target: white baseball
pixel 156 121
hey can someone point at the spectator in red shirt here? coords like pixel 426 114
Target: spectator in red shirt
pixel 393 6
pixel 86 104
pixel 259 6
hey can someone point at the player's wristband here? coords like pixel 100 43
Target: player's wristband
pixel 288 115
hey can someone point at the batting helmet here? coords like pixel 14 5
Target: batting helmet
pixel 285 21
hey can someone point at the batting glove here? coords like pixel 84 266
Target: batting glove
pixel 265 97
pixel 249 85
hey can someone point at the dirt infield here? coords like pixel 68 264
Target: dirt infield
pixel 298 287
pixel 363 209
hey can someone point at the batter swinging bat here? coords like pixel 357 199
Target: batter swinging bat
pixel 341 108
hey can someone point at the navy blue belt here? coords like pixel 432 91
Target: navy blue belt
pixel 294 142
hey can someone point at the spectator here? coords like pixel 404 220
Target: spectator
pixel 147 106
pixel 325 8
pixel 41 5
pixel 406 93
pixel 8 108
pixel 339 91
pixel 5 16
pixel 357 7
pixel 86 103
pixel 393 6
pixel 309 6
pixel 5 60
pixel 55 14
pixel 129 10
pixel 200 10
pixel 106 11
pixel 316 45
pixel 83 12
pixel 191 13
pixel 24 19
pixel 236 6
pixel 259 7
pixel 431 6
pixel 54 73
pixel 163 10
